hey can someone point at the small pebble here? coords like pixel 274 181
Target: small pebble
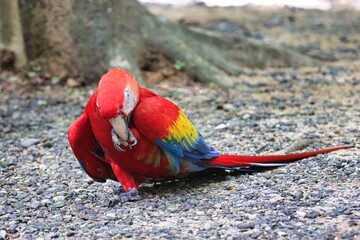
pixel 2 234
pixel 312 214
pixel 220 126
pixel 229 107
pixel 27 142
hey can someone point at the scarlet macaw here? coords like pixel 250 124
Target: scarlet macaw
pixel 130 134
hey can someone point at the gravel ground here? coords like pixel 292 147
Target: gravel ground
pixel 44 193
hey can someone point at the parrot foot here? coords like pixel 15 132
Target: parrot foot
pixel 118 142
pixel 131 195
pixel 133 139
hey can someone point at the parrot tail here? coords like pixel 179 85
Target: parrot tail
pixel 260 163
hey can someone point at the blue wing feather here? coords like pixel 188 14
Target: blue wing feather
pixel 190 152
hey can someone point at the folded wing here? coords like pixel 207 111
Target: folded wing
pixel 87 150
pixel 164 123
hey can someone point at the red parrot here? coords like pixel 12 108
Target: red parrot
pixel 130 134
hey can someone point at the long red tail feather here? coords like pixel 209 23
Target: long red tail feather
pixel 233 161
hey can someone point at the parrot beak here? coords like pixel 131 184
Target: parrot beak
pixel 120 127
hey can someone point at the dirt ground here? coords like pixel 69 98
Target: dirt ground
pixel 44 193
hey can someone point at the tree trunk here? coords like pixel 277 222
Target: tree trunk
pixel 11 39
pixel 47 37
pixel 85 38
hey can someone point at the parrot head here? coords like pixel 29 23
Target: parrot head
pixel 117 96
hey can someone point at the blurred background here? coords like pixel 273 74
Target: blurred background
pixel 316 4
pixel 206 41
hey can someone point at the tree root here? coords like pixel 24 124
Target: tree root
pixel 220 58
pixel 7 58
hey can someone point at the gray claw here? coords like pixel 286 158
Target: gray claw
pixel 134 143
pixel 131 195
pixel 117 147
pixel 116 141
pixel 133 139
pixel 114 137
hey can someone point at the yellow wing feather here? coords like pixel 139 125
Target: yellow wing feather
pixel 182 131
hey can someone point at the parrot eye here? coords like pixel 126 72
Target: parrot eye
pixel 127 94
